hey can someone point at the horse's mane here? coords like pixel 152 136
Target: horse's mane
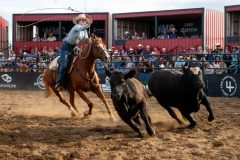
pixel 89 43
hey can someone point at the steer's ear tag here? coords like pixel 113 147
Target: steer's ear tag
pixel 130 74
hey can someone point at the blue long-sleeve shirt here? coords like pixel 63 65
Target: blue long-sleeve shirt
pixel 77 33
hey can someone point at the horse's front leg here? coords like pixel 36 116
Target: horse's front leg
pixel 87 100
pixel 100 94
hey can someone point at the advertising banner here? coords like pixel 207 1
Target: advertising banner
pixel 224 85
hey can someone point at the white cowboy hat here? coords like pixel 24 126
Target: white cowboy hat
pixel 80 16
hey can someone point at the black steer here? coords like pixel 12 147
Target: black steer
pixel 181 90
pixel 129 99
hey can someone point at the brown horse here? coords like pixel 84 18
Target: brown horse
pixel 82 77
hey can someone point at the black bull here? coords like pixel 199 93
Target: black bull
pixel 129 99
pixel 181 90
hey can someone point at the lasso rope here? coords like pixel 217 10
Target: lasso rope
pixel 69 9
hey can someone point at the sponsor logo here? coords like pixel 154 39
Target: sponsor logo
pixel 228 86
pixel 6 78
pixel 40 83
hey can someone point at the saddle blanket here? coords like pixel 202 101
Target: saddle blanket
pixel 54 64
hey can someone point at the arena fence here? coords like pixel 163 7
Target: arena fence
pixel 217 85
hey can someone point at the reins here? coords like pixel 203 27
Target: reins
pixel 83 57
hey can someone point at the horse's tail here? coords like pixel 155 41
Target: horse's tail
pixel 48 91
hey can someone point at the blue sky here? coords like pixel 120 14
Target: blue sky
pixel 7 8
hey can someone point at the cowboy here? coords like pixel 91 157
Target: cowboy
pixel 77 33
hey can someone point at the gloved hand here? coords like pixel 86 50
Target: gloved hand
pixel 89 19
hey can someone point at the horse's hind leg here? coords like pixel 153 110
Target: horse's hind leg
pixel 100 94
pixel 72 101
pixel 63 100
pixel 87 100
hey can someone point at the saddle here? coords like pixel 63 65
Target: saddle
pixel 54 65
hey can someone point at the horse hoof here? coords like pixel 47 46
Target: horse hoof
pixel 73 114
pixel 86 113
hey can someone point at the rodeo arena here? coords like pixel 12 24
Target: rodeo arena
pixel 147 85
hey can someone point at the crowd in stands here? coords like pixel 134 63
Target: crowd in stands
pixel 148 58
pixel 164 34
pixel 145 59
pixel 46 37
pixel 33 60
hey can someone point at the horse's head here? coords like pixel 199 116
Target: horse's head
pixel 99 49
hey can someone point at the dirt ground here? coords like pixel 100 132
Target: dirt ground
pixel 33 127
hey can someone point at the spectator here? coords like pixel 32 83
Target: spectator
pixel 99 65
pixel 51 37
pixel 19 64
pixel 220 66
pixel 64 39
pixel 155 49
pixel 166 57
pixel 187 61
pixel 33 66
pixel 143 36
pixel 235 62
pixel 131 51
pixel 25 67
pixel 140 63
pixel 123 51
pixel 199 53
pixel 147 53
pixel 211 56
pixel 148 67
pixel 44 55
pixel 30 56
pixel 36 38
pixel 196 63
pixel 117 59
pixel 56 53
pixel 122 67
pixel 25 50
pixel 173 33
pixel 126 36
pixel 218 46
pixel 50 53
pixel 129 64
pixel 2 59
pixel 209 68
pixel 154 59
pixel 139 50
pixel 44 37
pixel 8 66
pixel 12 55
pixel 180 62
pixel 227 58
pixel 183 33
pixel 164 35
pixel 135 36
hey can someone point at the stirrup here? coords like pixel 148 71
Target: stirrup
pixel 59 87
